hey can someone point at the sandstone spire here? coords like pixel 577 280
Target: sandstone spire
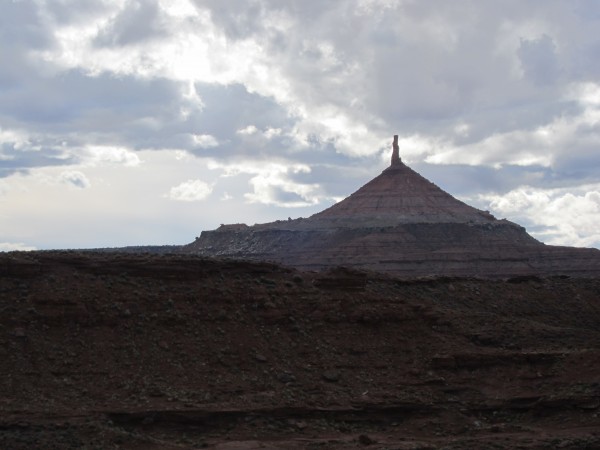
pixel 395 152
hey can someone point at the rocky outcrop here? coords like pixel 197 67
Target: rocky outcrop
pixel 400 223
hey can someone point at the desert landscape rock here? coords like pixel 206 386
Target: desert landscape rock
pixel 145 351
pixel 402 224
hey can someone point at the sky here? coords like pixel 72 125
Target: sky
pixel 145 122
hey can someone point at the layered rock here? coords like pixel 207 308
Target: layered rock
pixel 402 224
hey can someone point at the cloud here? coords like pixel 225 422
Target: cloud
pixel 538 59
pixel 75 178
pixel 365 86
pixel 190 191
pixel 272 186
pixel 249 130
pixel 274 183
pixel 15 246
pixel 4 187
pixel 21 157
pixel 205 140
pixel 566 216
pixel 553 144
pixel 97 154
pixel 137 22
pixel 268 133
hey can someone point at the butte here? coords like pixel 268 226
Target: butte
pixel 401 224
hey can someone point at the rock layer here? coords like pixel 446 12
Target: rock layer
pixel 400 223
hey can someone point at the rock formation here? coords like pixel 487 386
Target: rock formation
pixel 395 152
pixel 402 224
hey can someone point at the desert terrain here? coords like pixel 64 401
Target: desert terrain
pixel 144 351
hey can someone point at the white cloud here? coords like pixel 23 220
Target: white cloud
pixel 178 8
pixel 15 246
pixel 587 93
pixel 205 140
pixel 190 191
pixel 17 139
pixel 250 129
pixel 75 179
pixel 565 216
pixel 273 187
pixel 526 148
pixel 4 187
pixel 97 154
pixel 273 183
pixel 541 145
pixel 268 133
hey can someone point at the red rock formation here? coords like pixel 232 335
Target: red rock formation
pixel 403 224
pixel 395 152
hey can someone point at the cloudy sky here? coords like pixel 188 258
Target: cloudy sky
pixel 132 122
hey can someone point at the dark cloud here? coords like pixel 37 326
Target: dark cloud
pixel 539 60
pixel 69 111
pixel 231 108
pixel 14 159
pixel 464 180
pixel 66 12
pixel 138 22
pixel 241 20
pixel 22 28
pixel 280 195
pixel 62 102
pixel 22 31
pixel 228 108
pixel 580 166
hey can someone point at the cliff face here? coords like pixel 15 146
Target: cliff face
pixel 402 224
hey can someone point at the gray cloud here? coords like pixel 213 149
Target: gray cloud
pixel 228 109
pixel 66 12
pixel 14 159
pixel 138 22
pixel 539 60
pixel 74 101
pixel 75 178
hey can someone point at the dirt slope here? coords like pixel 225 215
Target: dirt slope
pixel 159 352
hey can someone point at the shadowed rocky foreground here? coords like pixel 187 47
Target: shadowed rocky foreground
pixel 132 351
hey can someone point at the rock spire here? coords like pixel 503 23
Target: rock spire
pixel 395 152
